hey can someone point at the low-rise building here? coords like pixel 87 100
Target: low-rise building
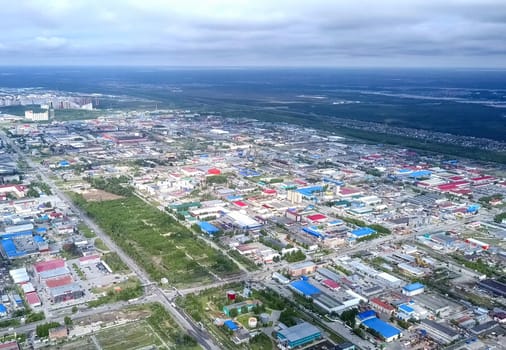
pixel 298 335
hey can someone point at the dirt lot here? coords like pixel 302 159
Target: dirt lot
pixel 94 195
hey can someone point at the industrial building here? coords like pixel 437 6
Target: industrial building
pixel 249 304
pixel 66 292
pixel 385 330
pixel 302 268
pixel 493 286
pixel 439 332
pixel 304 288
pixel 413 289
pixel 299 335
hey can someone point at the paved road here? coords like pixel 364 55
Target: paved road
pixel 202 337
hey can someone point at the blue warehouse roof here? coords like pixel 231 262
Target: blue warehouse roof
pixel 366 314
pixel 420 173
pixel 407 309
pixel 306 288
pixel 207 227
pixel 313 232
pixel 363 231
pixel 413 286
pixel 386 330
pixel 230 325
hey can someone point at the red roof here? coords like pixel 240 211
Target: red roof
pixel 300 182
pixel 347 190
pixel 59 281
pixel 214 171
pixel 316 217
pixel 32 298
pixel 49 265
pixel 382 304
pixel 269 191
pixel 331 284
pixel 483 178
pixel 89 257
pixel 240 204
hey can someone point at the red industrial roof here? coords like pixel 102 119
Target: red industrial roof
pixel 240 204
pixel 316 217
pixel 59 281
pixel 269 191
pixel 382 304
pixel 347 190
pixel 214 171
pixel 331 284
pixel 49 265
pixel 483 178
pixel 32 298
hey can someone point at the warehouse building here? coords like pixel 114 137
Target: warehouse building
pixel 243 305
pixel 208 228
pixel 304 288
pixel 298 335
pixel 439 332
pixel 388 332
pixel 66 292
pixel 493 286
pixel 302 268
pixel 413 289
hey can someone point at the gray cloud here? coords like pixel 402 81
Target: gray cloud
pixel 255 32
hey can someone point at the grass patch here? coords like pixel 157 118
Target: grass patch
pixel 157 242
pixel 100 245
pixel 115 263
pixel 130 289
pixel 128 336
pixel 86 231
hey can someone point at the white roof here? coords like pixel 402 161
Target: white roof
pixel 19 275
pixel 388 277
pixel 242 219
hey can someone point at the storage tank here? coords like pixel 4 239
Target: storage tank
pixel 252 322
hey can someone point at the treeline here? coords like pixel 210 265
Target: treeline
pixel 116 185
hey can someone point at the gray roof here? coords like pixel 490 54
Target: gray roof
pixel 54 273
pixel 299 331
pixel 68 288
pixel 440 327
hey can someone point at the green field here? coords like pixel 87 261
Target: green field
pixel 157 242
pixel 129 337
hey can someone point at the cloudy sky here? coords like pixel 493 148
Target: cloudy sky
pixel 449 33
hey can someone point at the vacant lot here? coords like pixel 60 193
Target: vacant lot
pixel 94 195
pixel 129 336
pixel 162 246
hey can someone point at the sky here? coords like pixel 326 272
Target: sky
pixel 310 33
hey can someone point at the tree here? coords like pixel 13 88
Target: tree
pixel 67 320
pixel 233 313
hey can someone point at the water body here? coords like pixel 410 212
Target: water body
pixel 463 102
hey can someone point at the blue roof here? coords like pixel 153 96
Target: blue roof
pixel 332 181
pixel 362 231
pixel 248 172
pixel 413 286
pixel 38 239
pixel 336 222
pixel 207 227
pixel 16 234
pixel 10 248
pixel 308 191
pixel 385 329
pixel 3 309
pixel 366 314
pixel 41 230
pixel 313 232
pixel 420 173
pixel 234 198
pixel 231 325
pixel 407 309
pixel 305 287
